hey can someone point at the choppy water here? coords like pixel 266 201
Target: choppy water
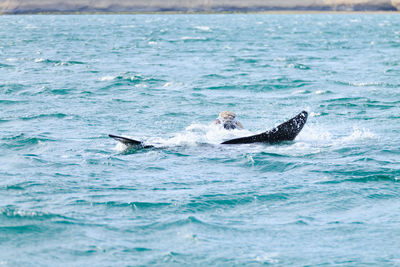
pixel 69 195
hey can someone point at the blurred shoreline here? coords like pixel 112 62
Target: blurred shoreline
pixel 275 12
pixel 196 6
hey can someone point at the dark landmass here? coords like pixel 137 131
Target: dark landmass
pixel 88 6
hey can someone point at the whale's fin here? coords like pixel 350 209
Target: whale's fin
pixel 126 141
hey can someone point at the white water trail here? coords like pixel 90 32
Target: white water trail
pixel 312 139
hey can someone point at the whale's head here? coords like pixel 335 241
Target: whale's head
pixel 228 120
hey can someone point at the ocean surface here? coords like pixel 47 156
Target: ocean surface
pixel 72 196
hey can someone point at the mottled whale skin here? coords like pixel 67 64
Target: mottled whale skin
pixel 286 131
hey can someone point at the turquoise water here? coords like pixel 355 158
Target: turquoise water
pixel 71 196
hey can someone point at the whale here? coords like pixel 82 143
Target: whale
pixel 286 131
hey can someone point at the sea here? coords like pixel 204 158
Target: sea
pixel 72 196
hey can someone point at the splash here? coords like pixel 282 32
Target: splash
pixel 194 135
pixel 358 134
pixel 314 138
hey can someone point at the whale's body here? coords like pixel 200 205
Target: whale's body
pixel 286 131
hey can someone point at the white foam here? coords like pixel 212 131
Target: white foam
pixel 141 85
pixel 269 258
pixel 320 92
pixel 107 78
pixel 37 60
pixel 187 38
pixel 30 26
pixel 280 59
pixel 197 133
pixel 172 84
pixel 250 159
pixel 358 134
pixel 322 136
pixel 315 114
pixel 61 64
pixel 301 91
pixel 120 147
pixel 313 139
pixel 203 28
pixel 363 84
pixel 315 134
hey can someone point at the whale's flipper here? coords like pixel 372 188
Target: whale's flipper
pixel 287 131
pixel 129 142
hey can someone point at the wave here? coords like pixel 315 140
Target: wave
pixel 20 229
pixel 217 201
pixel 136 249
pixel 20 215
pixel 58 62
pixel 360 177
pixel 174 223
pixel 299 66
pixel 19 221
pixel 11 88
pixel 129 78
pixel 3 65
pixel 45 116
pixel 367 84
pixel 116 204
pixel 22 141
pixel 199 203
pixel 12 102
pixel 261 86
